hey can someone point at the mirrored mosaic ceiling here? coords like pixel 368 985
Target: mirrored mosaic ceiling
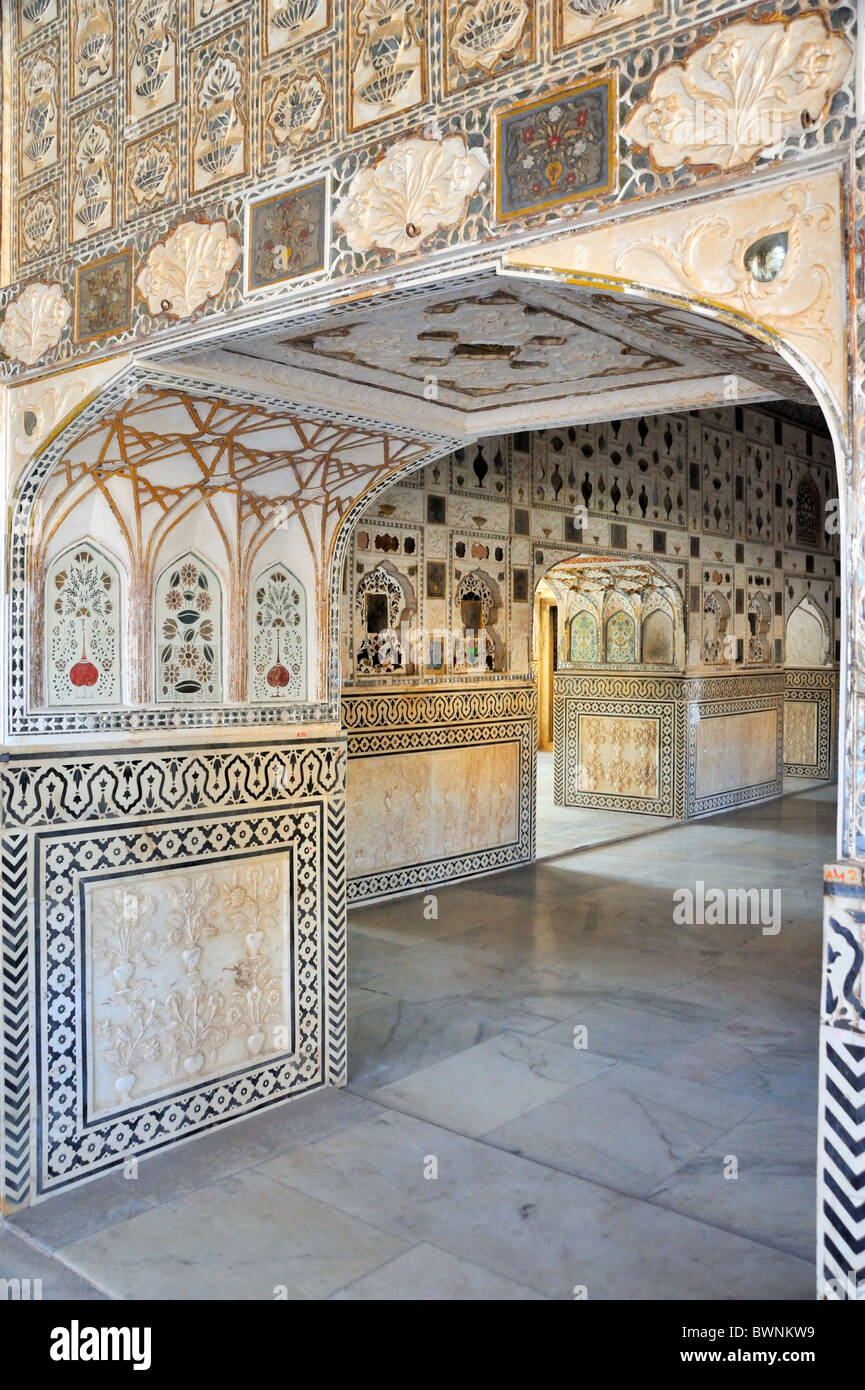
pixel 268 145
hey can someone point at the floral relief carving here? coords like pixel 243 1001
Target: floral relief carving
pixel 35 14
pixel 152 172
pixel 39 132
pixel 387 72
pixel 220 131
pixel 761 253
pixel 191 266
pixel 746 90
pixel 93 181
pixel 292 21
pixel 39 224
pixel 297 109
pixel 34 323
pixel 92 44
pixel 583 19
pixel 420 187
pixel 486 31
pixel 189 976
pixel 152 70
pixel 711 258
pixel 37 408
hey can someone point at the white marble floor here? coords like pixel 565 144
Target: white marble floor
pixel 547 1084
pixel 560 829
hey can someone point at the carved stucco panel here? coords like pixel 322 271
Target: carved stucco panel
pixel 34 322
pixel 419 187
pixel 189 976
pixel 745 90
pixel 38 408
pixel 708 255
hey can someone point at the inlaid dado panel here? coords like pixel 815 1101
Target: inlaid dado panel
pixel 736 751
pixel 618 742
pixel 810 713
pixel 667 745
pixel 173 946
pixel 735 730
pixel 441 783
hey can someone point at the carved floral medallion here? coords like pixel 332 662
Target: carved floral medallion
pixel 34 323
pixel 191 266
pixel 419 188
pixel 744 91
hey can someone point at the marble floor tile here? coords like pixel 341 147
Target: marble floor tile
pixel 430 1274
pixel 647 1032
pixel 22 1259
pixel 487 1085
pixel 629 1128
pixel 423 974
pixel 244 1238
pixel 540 1227
pixel 769 1194
pixel 401 1038
pixel 159 1177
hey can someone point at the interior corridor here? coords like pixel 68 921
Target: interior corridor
pixel 475 1137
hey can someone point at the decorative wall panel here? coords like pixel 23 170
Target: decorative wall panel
pixel 277 636
pixel 187 630
pixel 471 806
pixel 185 904
pixel 735 751
pixel 556 150
pixel 666 745
pixel 291 86
pixel 83 610
pixel 618 742
pixel 810 723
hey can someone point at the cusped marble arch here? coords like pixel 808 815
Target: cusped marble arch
pixel 744 91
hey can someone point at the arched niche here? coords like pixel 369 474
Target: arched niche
pixel 477 645
pixel 620 637
pixel 759 629
pixel 83 607
pixel 384 601
pixel 277 636
pixel 808 639
pixel 716 622
pixel 187 633
pixel 583 637
pixel 658 638
pixel 808 511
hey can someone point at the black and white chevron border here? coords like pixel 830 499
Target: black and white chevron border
pixel 841 1174
pixel 15 1013
pixel 335 947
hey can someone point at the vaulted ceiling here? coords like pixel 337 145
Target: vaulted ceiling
pixel 490 352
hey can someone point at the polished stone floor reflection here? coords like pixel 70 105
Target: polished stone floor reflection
pixel 551 1086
